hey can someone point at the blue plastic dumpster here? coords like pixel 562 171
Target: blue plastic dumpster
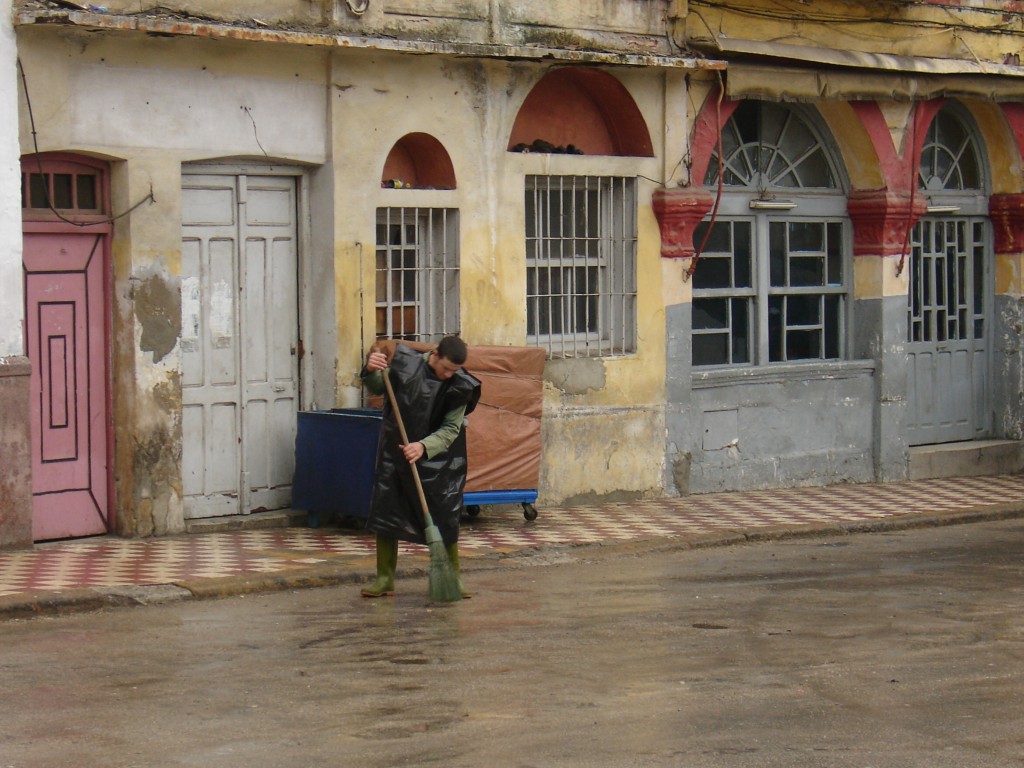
pixel 335 461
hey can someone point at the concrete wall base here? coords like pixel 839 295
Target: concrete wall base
pixel 15 454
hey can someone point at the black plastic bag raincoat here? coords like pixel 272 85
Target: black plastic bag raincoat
pixel 424 400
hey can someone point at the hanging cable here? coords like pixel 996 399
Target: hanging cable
pixel 255 133
pixel 46 191
pixel 915 114
pixel 721 173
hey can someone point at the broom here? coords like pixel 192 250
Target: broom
pixel 443 580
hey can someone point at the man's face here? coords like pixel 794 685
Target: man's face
pixel 442 367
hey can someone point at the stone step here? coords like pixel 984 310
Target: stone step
pixel 255 521
pixel 971 458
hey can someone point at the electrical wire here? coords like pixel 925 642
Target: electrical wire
pixel 721 181
pixel 39 164
pixel 255 133
pixel 914 162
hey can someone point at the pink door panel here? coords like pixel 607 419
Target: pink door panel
pixel 65 314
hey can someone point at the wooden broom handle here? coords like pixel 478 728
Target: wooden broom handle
pixel 405 441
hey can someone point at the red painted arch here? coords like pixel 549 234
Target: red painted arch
pixel 419 160
pixel 586 108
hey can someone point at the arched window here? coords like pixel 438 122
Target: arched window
pixel 767 145
pixel 417 258
pixel 773 280
pixel 949 157
pixel 581 228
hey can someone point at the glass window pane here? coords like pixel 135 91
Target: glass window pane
pixel 37 191
pixel 803 345
pixel 833 327
pixel 740 331
pixel 86 191
pixel 777 253
pixel 720 239
pixel 710 349
pixel 776 327
pixel 803 310
pixel 806 236
pixel 815 171
pixel 742 255
pixel 710 313
pixel 835 254
pixel 806 271
pixel 713 272
pixel 62 191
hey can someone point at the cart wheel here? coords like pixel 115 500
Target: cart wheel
pixel 473 510
pixel 529 511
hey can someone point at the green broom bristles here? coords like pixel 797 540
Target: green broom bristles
pixel 444 581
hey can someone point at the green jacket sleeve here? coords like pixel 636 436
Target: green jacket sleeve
pixel 438 441
pixel 441 439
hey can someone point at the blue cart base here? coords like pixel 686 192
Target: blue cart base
pixel 474 499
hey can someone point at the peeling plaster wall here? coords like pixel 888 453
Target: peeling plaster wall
pixel 470 106
pixel 150 106
pixel 153 105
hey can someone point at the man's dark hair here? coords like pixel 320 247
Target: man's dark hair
pixel 453 349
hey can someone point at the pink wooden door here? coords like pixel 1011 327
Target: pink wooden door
pixel 66 338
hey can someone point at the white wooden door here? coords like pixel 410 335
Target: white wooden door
pixel 239 342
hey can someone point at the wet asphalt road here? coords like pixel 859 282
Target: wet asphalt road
pixel 892 650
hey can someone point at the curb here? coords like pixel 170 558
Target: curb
pixel 40 604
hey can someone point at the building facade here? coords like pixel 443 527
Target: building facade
pixel 751 264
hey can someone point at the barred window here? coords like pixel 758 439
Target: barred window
pixel 581 264
pixel 417 273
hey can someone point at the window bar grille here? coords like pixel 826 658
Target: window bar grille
pixel 580 253
pixel 417 273
pixel 580 305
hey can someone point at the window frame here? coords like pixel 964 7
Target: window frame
pixel 740 203
pixel 604 314
pixel 433 275
pixel 759 295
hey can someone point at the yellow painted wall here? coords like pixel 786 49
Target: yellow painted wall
pixel 470 108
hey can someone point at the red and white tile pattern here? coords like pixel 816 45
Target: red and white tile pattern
pixel 112 562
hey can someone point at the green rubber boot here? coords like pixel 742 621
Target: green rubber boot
pixel 453 558
pixel 387 563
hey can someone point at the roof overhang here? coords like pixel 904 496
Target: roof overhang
pixel 259 32
pixel 784 72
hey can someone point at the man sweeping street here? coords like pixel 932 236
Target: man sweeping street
pixel 433 394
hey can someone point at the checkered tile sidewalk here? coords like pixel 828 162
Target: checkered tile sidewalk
pixel 113 562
